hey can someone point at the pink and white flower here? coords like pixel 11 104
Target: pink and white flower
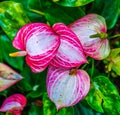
pixel 92 24
pixel 39 43
pixel 70 53
pixel 14 104
pixel 8 77
pixel 66 87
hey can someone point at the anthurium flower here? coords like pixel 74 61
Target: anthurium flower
pixel 70 53
pixel 39 43
pixel 14 104
pixel 91 31
pixel 67 87
pixel 8 77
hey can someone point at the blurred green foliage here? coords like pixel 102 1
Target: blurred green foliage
pixel 103 97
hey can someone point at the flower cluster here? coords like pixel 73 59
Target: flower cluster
pixel 64 49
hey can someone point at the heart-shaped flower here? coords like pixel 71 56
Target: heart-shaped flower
pixel 39 43
pixel 89 29
pixel 14 104
pixel 8 77
pixel 70 53
pixel 67 87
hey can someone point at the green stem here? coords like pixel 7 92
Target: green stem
pixel 115 36
pixel 101 35
pixel 83 67
pixel 55 0
pixel 38 12
pixel 92 71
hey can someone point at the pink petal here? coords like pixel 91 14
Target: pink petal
pixel 65 89
pixel 8 77
pixel 40 42
pixel 70 53
pixel 89 25
pixel 14 104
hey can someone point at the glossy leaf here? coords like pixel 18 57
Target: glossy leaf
pixel 72 3
pixel 35 110
pixel 81 109
pixel 75 83
pixel 12 17
pixel 40 43
pixel 49 108
pixel 6 48
pixel 109 9
pixel 8 77
pixel 65 15
pixel 70 52
pixel 35 4
pixel 30 4
pixel 103 96
pixel 36 92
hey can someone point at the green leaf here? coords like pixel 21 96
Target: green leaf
pixel 80 109
pixel 109 9
pixel 35 4
pixel 2 113
pixel 72 3
pixel 33 82
pixel 6 48
pixel 61 14
pixel 113 61
pixel 49 108
pixel 35 110
pixel 12 17
pixel 37 92
pixel 103 96
pixel 26 83
pixel 34 9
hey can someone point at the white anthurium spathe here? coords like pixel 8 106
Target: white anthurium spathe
pixel 70 52
pixel 91 31
pixel 39 43
pixel 67 87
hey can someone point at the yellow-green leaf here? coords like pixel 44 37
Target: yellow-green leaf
pixel 103 96
pixel 12 17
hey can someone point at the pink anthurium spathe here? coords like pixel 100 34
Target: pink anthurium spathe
pixel 39 43
pixel 70 53
pixel 8 77
pixel 91 31
pixel 67 87
pixel 14 104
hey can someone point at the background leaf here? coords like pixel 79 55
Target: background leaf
pixel 102 96
pixel 72 3
pixel 12 17
pixel 81 109
pixel 6 48
pixel 35 110
pixel 65 15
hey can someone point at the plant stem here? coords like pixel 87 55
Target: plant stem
pixel 92 71
pixel 101 35
pixel 38 12
pixel 115 36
